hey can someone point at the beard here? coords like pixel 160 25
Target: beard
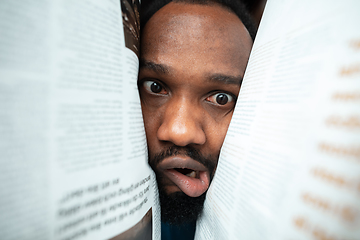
pixel 178 208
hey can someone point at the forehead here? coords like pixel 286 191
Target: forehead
pixel 196 37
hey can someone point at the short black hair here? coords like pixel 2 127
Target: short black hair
pixel 149 8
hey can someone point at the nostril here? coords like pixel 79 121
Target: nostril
pixel 181 134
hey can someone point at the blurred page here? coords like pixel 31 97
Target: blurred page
pixel 290 164
pixel 72 143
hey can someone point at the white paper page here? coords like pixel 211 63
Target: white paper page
pixel 73 149
pixel 290 164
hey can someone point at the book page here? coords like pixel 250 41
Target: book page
pixel 290 164
pixel 73 147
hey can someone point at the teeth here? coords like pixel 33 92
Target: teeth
pixel 192 174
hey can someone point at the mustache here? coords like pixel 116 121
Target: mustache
pixel 209 162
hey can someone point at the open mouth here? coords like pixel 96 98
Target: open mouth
pixel 190 176
pixel 188 172
pixel 192 182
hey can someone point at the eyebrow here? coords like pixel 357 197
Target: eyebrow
pixel 158 68
pixel 225 79
pixel 216 78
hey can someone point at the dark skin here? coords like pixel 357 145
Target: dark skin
pixel 192 63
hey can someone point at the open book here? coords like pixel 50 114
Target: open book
pixel 290 164
pixel 73 151
pixel 72 142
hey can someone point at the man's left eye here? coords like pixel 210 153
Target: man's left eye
pixel 220 98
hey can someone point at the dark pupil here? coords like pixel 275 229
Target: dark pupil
pixel 155 87
pixel 222 99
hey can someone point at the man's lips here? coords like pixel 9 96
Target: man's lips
pixel 189 175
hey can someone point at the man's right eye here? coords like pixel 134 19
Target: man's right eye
pixel 154 87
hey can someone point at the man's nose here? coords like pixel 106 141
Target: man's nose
pixel 182 123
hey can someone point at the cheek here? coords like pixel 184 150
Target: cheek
pixel 216 132
pixel 151 123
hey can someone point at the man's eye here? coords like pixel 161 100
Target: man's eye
pixel 221 98
pixel 154 87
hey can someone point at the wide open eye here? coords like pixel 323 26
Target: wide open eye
pixel 154 87
pixel 221 98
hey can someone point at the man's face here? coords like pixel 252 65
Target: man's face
pixel 192 62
